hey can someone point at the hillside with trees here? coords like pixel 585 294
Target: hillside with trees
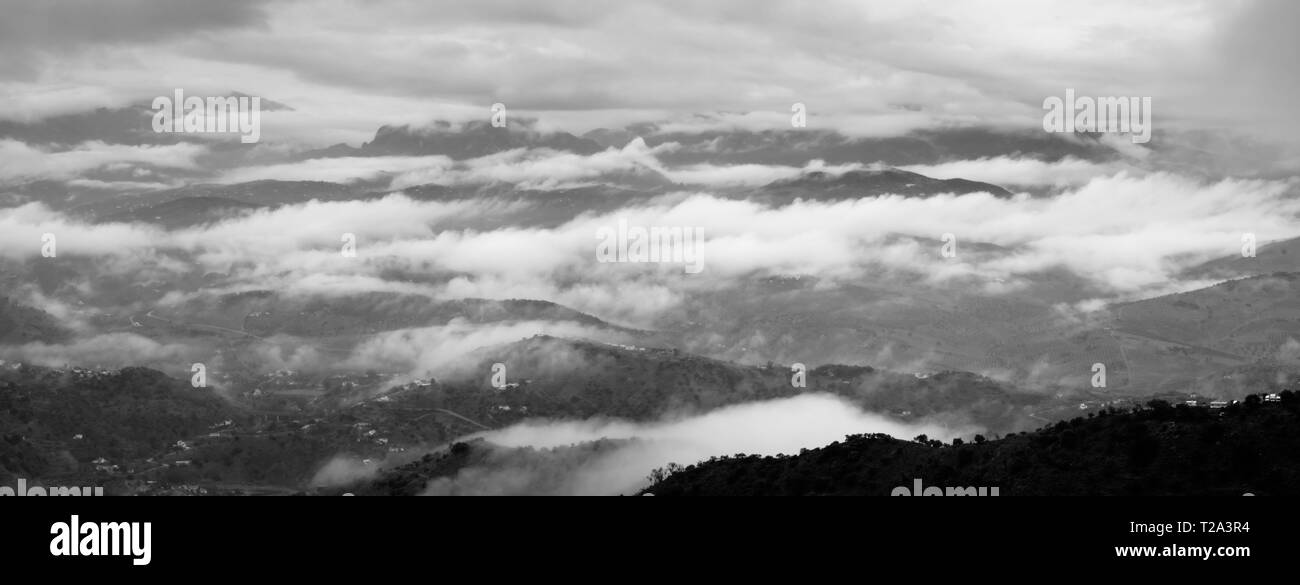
pixel 1252 446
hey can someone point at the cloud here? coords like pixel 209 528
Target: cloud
pixel 762 428
pixel 30 102
pixel 110 350
pixel 342 471
pixel 22 162
pixel 55 25
pixel 872 68
pixel 22 231
pixel 339 169
pixel 1251 75
pixel 751 175
pixel 1024 172
pixel 542 168
pixel 441 351
pixel 119 185
pixel 1124 234
pixel 539 168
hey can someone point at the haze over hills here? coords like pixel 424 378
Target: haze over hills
pixel 23 324
pixel 200 435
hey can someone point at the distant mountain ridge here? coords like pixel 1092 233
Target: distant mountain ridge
pixel 820 185
pixel 471 140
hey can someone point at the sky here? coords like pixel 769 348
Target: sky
pixel 861 67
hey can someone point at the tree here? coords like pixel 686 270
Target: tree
pixel 661 473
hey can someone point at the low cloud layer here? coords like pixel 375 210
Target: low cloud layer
pixel 1123 233
pixel 622 466
pixel 20 162
pixel 111 350
pixel 763 428
pixel 442 351
pixel 1025 172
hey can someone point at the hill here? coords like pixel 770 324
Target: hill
pixel 185 212
pixel 562 378
pixel 265 313
pixel 1251 447
pixel 59 423
pixel 822 186
pixel 477 138
pixel 1246 319
pixel 22 324
pixel 797 147
pixel 193 204
pixel 1283 256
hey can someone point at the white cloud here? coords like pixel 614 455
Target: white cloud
pixel 338 169
pixel 1125 234
pixel 111 350
pixel 441 351
pixel 762 428
pixel 1024 172
pixel 22 162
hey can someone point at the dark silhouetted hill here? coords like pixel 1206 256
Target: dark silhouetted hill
pixel 821 186
pixel 1252 446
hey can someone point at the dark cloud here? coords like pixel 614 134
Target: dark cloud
pixel 29 29
pixel 62 23
pixel 981 63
